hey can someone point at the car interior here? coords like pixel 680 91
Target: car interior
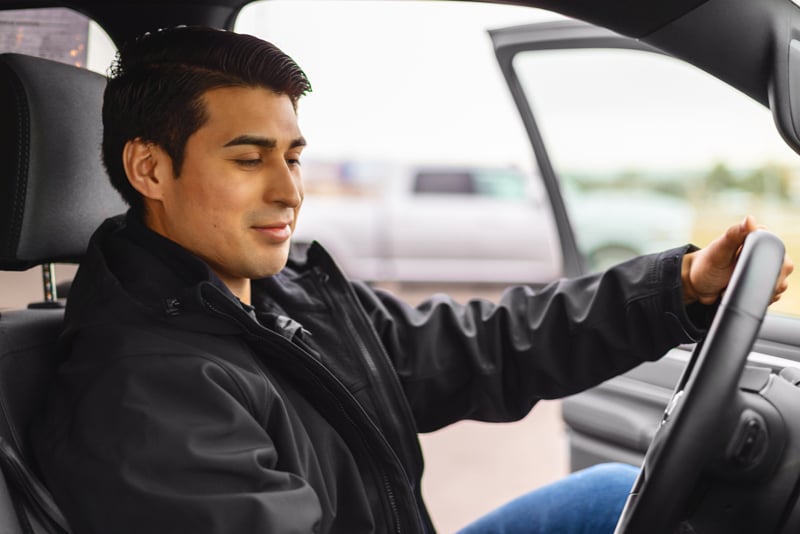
pixel 745 478
pixel 48 172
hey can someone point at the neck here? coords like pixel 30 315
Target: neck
pixel 239 287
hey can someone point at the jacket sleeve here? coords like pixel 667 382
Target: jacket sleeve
pixel 493 361
pixel 173 444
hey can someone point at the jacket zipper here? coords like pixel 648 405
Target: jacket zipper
pixel 322 278
pixel 309 359
pixel 387 484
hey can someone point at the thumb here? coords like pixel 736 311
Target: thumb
pixel 731 242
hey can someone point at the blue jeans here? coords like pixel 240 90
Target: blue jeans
pixel 585 502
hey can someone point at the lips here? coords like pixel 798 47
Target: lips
pixel 275 232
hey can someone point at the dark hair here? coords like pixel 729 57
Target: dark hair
pixel 157 82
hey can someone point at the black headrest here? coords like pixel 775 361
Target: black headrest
pixel 54 191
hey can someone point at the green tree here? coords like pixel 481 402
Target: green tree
pixel 772 180
pixel 719 178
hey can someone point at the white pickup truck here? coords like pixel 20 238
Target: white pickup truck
pixel 396 223
pixel 461 224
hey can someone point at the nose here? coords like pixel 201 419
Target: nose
pixel 285 186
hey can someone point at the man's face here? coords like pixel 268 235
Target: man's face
pixel 236 201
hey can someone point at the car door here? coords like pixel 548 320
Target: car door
pixel 640 152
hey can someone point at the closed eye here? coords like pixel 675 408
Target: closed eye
pixel 248 162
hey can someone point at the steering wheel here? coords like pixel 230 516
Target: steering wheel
pixel 698 420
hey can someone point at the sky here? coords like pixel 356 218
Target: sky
pixel 414 81
pixel 451 99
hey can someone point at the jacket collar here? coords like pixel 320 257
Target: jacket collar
pixel 132 274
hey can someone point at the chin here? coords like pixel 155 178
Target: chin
pixel 269 268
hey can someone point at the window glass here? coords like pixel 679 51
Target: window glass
pixel 500 184
pixel 449 183
pixel 653 153
pixel 100 49
pixel 58 34
pixel 409 137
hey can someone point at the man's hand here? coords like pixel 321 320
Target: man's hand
pixel 706 272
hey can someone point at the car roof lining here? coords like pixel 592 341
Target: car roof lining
pixel 629 17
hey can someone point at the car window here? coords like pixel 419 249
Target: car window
pixel 445 183
pixel 490 183
pixel 652 153
pixel 58 34
pixel 500 184
pixel 69 37
pixel 414 150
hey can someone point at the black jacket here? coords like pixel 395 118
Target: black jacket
pixel 179 409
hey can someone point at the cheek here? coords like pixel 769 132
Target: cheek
pixel 223 223
pixel 216 206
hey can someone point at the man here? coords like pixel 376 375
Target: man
pixel 210 387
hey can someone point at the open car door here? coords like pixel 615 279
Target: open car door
pixel 635 146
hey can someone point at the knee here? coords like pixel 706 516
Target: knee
pixel 614 469
pixel 613 477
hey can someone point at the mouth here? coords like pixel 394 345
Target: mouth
pixel 275 232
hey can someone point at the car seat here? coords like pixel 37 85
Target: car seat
pixel 53 194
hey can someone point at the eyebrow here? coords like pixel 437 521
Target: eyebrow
pixel 264 142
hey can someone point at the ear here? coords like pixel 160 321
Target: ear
pixel 144 167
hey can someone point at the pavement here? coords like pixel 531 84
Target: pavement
pixel 472 468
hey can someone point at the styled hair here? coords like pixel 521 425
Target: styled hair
pixel 156 85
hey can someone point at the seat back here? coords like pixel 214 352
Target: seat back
pixel 27 365
pixel 53 194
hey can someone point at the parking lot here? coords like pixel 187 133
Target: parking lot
pixel 471 468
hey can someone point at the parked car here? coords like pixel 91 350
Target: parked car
pixel 403 223
pixel 556 111
pixel 614 226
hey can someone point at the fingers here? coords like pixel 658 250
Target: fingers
pixel 706 272
pixel 745 227
pixel 726 249
pixel 739 231
pixel 749 224
pixel 783 283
